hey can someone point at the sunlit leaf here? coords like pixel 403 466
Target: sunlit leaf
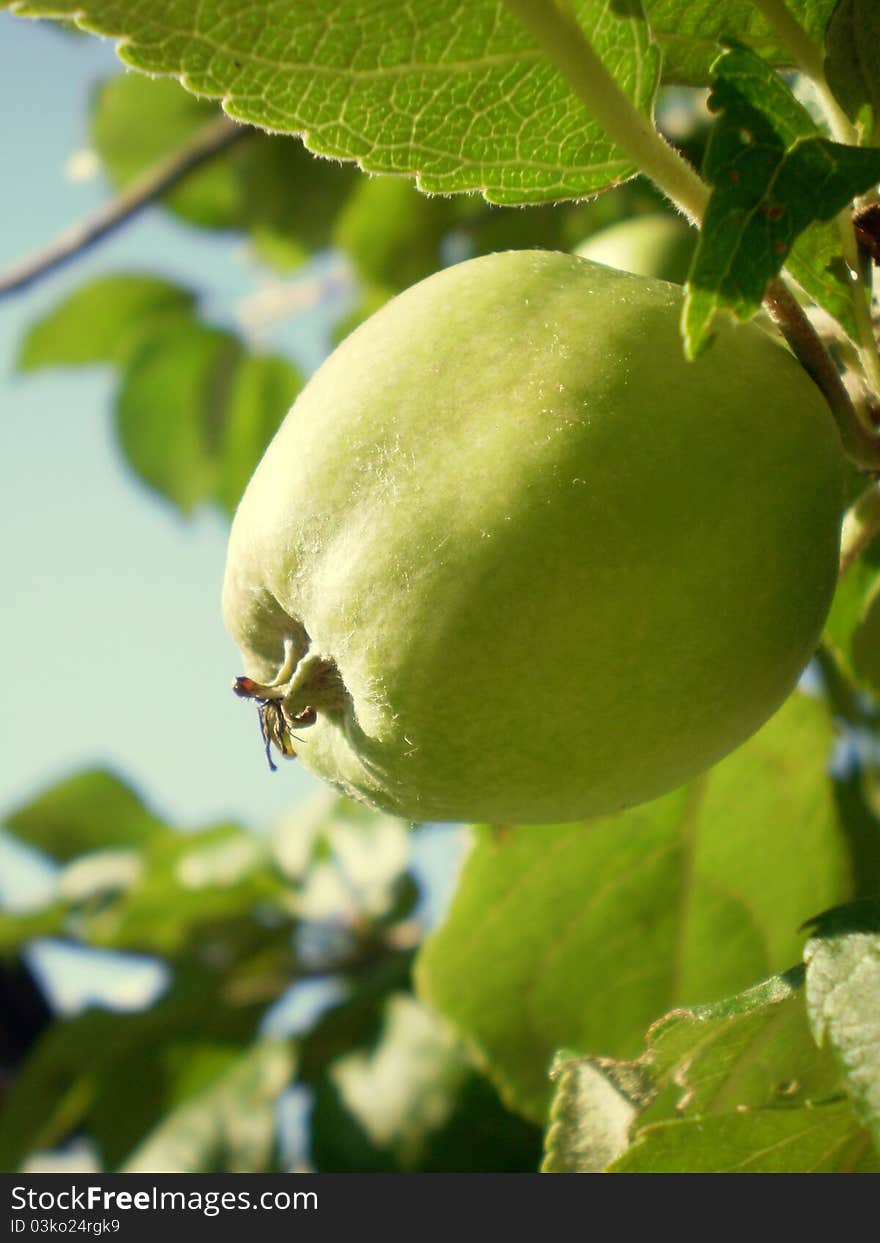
pixel 92 810
pixel 852 65
pixel 268 187
pixel 84 1068
pixel 104 321
pixel 595 1106
pixel 579 935
pixel 843 998
pixel 816 263
pixel 821 1139
pixel 414 1101
pixel 195 412
pixel 744 1073
pixel 691 33
pixel 229 1128
pixel 394 88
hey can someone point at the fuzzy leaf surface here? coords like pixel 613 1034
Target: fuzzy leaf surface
pixel 456 94
pixel 843 999
pixel 744 1073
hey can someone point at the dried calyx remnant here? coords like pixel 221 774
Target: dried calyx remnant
pixel 301 689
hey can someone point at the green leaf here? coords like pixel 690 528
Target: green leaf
pixel 93 810
pixel 267 186
pixel 83 1068
pixel 391 233
pixel 693 32
pixel 744 1073
pixel 843 1000
pixel 104 321
pixel 852 63
pixel 195 412
pixel 137 121
pixel 578 935
pixel 822 1139
pixel 394 88
pixel 263 391
pixel 406 1087
pixel 133 883
pixel 866 640
pixel 413 1101
pixel 200 896
pixel 16 929
pixel 772 174
pixel 171 409
pixel 227 1129
pixel 751 1050
pixel 852 622
pixel 595 1105
pixel 816 263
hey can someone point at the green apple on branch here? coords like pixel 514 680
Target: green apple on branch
pixel 521 559
pixel 513 557
pixel 546 537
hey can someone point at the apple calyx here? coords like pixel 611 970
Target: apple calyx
pixel 301 689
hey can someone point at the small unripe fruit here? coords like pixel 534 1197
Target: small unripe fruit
pixel 510 557
pixel 658 245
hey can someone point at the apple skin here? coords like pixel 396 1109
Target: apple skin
pixel 657 244
pixel 552 568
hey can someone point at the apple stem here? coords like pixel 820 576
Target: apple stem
pixel 861 523
pixel 313 683
pixel 562 39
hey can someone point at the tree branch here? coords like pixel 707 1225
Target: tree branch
pixel 860 444
pixel 209 142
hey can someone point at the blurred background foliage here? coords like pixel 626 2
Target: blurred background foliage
pixel 281 1028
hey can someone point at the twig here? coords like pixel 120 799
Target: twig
pixel 209 142
pixel 861 445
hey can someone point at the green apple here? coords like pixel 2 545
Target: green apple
pixel 658 245
pixel 510 557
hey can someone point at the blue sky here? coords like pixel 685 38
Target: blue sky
pixel 114 651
